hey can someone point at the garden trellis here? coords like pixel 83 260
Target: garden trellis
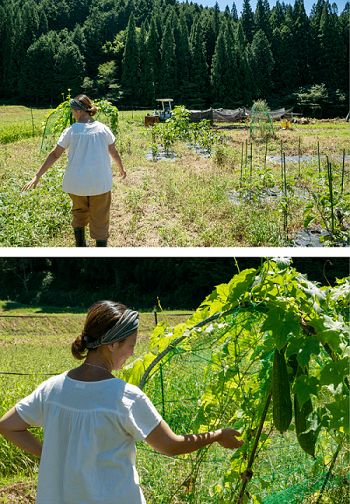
pixel 218 373
pixel 61 117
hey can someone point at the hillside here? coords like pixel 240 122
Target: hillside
pixel 132 52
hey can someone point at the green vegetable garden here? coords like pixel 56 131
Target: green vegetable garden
pixel 266 354
pixel 188 184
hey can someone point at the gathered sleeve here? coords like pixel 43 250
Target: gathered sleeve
pixel 142 417
pixel 31 408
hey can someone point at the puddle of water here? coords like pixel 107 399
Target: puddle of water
pixel 306 159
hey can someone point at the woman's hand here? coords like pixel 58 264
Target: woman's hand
pixel 55 154
pixel 33 183
pixel 228 439
pixel 164 440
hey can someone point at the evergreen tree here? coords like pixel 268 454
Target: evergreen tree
pixel 183 59
pixel 168 62
pixel 40 61
pixel 286 76
pixel 130 65
pixel 199 67
pixel 261 19
pixel 209 24
pixel 94 34
pixel 331 49
pixel 234 12
pixel 244 86
pixel 301 42
pixel 152 67
pixel 69 68
pixel 224 69
pixel 142 62
pixel 43 23
pixel 261 63
pixel 247 19
pixel 277 16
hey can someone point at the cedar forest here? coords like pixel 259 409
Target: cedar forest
pixel 134 51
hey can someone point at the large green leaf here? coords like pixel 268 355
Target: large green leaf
pixel 339 414
pixel 335 372
pixel 304 386
pixel 281 321
pixel 303 348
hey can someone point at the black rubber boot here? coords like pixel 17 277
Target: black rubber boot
pixel 79 234
pixel 101 243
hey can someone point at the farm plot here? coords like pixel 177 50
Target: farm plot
pixel 188 201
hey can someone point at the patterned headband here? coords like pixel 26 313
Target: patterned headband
pixel 125 326
pixel 77 105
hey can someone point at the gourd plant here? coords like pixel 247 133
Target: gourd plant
pixel 294 352
pixel 61 117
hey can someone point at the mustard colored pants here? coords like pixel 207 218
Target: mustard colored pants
pixel 92 210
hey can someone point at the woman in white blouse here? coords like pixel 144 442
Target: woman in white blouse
pixel 88 176
pixel 91 420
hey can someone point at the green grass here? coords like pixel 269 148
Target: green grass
pixel 18 123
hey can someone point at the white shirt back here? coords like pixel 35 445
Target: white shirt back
pixel 89 171
pixel 90 429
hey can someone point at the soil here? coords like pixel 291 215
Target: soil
pixel 21 493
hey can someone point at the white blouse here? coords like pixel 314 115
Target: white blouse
pixel 90 429
pixel 89 171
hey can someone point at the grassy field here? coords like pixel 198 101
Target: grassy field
pixel 35 341
pixel 179 202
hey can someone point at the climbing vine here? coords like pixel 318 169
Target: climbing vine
pixel 275 309
pixel 61 117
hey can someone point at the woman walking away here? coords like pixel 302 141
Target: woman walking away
pixel 91 420
pixel 88 176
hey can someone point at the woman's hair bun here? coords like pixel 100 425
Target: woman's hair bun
pixel 79 347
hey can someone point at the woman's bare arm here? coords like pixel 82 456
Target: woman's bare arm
pixel 54 155
pixel 117 159
pixel 164 440
pixel 16 430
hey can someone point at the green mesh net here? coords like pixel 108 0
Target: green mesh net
pixel 261 127
pixel 61 117
pixel 176 383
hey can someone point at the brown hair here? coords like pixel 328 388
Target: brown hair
pixel 101 317
pixel 87 104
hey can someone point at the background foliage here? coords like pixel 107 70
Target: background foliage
pixel 131 52
pixel 178 282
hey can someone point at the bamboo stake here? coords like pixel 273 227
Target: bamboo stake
pixel 299 156
pixel 318 154
pixel 330 186
pixel 335 456
pixel 342 173
pixel 242 160
pixel 248 472
pixel 251 159
pixel 281 158
pixel 265 155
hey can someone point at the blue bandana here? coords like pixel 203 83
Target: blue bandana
pixel 77 105
pixel 125 326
